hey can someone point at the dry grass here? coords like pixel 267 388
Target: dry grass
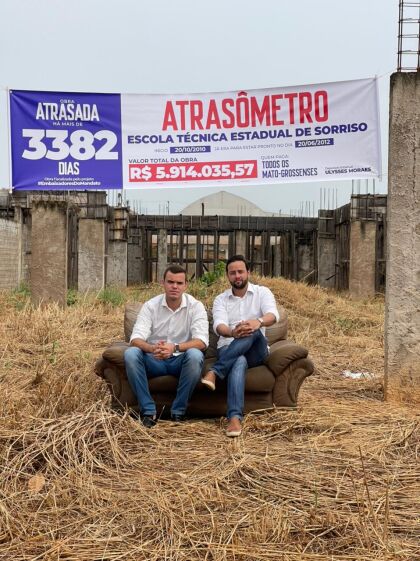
pixel 336 480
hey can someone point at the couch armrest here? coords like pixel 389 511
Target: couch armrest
pixel 122 395
pixel 287 386
pixel 115 353
pixel 282 354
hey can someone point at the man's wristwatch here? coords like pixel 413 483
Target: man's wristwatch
pixel 177 350
pixel 261 321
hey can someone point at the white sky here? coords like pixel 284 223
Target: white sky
pixel 175 46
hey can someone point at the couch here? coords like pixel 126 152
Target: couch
pixel 275 383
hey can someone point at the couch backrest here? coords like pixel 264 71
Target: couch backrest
pixel 276 332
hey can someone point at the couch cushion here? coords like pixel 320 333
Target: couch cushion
pixel 258 379
pixel 163 384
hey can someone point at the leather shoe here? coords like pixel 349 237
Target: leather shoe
pixel 209 380
pixel 234 427
pixel 149 421
pixel 178 418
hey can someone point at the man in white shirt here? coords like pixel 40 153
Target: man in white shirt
pixel 168 338
pixel 240 315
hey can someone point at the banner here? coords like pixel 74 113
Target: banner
pixel 254 137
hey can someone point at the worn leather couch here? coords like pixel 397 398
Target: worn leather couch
pixel 276 383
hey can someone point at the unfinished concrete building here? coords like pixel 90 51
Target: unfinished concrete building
pixel 87 244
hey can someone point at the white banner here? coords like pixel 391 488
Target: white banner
pixel 306 133
pixel 254 137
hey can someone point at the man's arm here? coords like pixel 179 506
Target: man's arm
pixel 221 317
pixel 142 330
pixel 143 345
pixel 247 327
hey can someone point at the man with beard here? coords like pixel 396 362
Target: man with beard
pixel 240 315
pixel 169 337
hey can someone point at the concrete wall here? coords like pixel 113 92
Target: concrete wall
pixel 402 303
pixel 362 258
pixel 49 254
pixel 116 265
pixel 91 255
pixel 9 254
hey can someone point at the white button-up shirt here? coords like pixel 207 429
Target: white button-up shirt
pixel 230 309
pixel 157 322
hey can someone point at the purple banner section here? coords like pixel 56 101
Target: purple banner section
pixel 65 141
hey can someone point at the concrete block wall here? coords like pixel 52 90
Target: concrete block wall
pixel 9 254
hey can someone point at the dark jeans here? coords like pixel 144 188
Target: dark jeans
pixel 233 361
pixel 140 366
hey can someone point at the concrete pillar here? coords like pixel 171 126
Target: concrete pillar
pixel 198 256
pixel 402 302
pixel 26 247
pixel 116 264
pixel 162 253
pixel 306 270
pixel 134 263
pixel 326 261
pixel 20 244
pixel 91 255
pixel 362 258
pixel 327 249
pixel 277 260
pixel 241 242
pixel 48 271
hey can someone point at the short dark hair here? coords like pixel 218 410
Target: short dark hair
pixel 174 269
pixel 237 258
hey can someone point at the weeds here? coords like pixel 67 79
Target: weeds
pixel 111 295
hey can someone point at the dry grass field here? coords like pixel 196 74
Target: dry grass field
pixel 336 480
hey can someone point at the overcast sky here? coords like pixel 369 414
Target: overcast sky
pixel 180 46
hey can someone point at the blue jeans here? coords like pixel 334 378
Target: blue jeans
pixel 140 366
pixel 233 361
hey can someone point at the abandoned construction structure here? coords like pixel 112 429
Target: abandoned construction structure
pixel 85 244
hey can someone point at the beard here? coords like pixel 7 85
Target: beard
pixel 239 284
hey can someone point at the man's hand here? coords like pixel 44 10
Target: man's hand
pixel 163 350
pixel 245 328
